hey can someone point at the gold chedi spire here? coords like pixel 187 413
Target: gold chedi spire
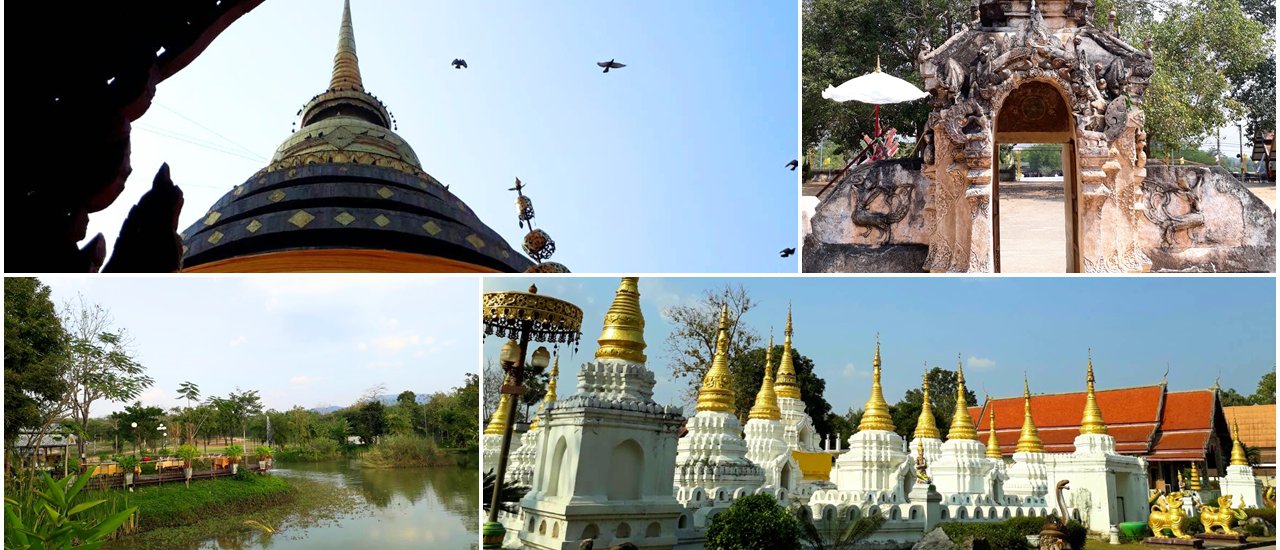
pixel 875 415
pixel 1029 441
pixel 1092 421
pixel 1238 456
pixel 716 393
pixel 1195 477
pixel 926 425
pixel 786 384
pixel 623 334
pixel 550 397
pixel 346 66
pixel 498 422
pixel 993 445
pixel 766 405
pixel 961 423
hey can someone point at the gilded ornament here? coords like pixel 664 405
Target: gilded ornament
pixel 1222 516
pixel 716 393
pixel 993 445
pixel 538 245
pixel 926 425
pixel 1167 514
pixel 1029 440
pixel 1092 422
pixel 786 383
pixel 875 415
pixel 961 423
pixel 766 404
pixel 548 319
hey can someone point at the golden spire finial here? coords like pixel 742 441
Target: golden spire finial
pixel 498 422
pixel 623 334
pixel 961 423
pixel 926 425
pixel 346 67
pixel 1029 441
pixel 1092 422
pixel 1195 477
pixel 766 405
pixel 550 397
pixel 786 384
pixel 993 445
pixel 717 393
pixel 875 415
pixel 1238 456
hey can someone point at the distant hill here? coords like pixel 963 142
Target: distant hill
pixel 389 399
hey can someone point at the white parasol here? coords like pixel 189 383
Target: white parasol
pixel 875 88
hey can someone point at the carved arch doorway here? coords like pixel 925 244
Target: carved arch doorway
pixel 1037 112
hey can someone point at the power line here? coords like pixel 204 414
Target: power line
pixel 196 142
pixel 207 129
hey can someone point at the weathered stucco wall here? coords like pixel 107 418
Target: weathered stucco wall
pixel 1202 219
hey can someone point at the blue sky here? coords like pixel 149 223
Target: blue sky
pixel 298 340
pixel 1000 326
pixel 672 164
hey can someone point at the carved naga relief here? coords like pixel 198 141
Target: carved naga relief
pixel 970 78
pixel 896 198
pixel 1175 207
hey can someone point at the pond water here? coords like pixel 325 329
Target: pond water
pixel 435 507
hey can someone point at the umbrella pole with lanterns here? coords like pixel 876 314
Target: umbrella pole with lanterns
pixel 877 88
pixel 522 317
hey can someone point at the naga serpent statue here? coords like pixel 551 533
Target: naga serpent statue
pixel 1053 536
pixel 1222 515
pixel 1168 514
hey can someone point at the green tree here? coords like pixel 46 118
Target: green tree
pixel 35 347
pixel 369 421
pixel 692 342
pixel 146 417
pixel 754 522
pixel 100 366
pixel 844 38
pixel 1232 398
pixel 747 370
pixel 943 384
pixel 1266 392
pixel 1198 46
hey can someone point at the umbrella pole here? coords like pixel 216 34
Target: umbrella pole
pixel 877 121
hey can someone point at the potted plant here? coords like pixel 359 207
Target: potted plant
pixel 234 452
pixel 264 456
pixel 188 454
pixel 128 463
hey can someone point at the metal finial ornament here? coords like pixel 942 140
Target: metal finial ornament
pixel 524 205
pixel 539 245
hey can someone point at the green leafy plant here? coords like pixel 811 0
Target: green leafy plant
pixel 129 463
pixel 51 518
pixel 188 454
pixel 235 452
pixel 164 451
pixel 263 452
pixel 754 521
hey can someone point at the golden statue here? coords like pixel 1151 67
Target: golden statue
pixel 1222 515
pixel 1167 513
pixel 922 467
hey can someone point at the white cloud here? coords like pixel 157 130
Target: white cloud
pixel 850 371
pixel 302 380
pixel 235 343
pixel 980 362
pixel 362 345
pixel 384 364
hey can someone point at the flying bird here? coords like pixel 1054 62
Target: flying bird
pixel 459 63
pixel 787 252
pixel 610 64
pixel 793 164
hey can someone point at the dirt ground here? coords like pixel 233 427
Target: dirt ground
pixel 1032 235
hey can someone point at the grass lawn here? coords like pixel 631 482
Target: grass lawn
pixel 175 504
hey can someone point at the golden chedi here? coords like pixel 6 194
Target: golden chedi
pixel 623 334
pixel 875 414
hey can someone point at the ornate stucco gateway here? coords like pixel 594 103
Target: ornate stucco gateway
pixel 1035 72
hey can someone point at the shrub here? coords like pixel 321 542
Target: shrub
pixel 1001 535
pixel 404 451
pixel 1077 535
pixel 1029 525
pixel 1268 514
pixel 235 452
pixel 754 521
pixel 128 462
pixel 263 452
pixel 1253 530
pixel 188 454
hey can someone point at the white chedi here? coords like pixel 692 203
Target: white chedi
pixel 766 438
pixel 711 466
